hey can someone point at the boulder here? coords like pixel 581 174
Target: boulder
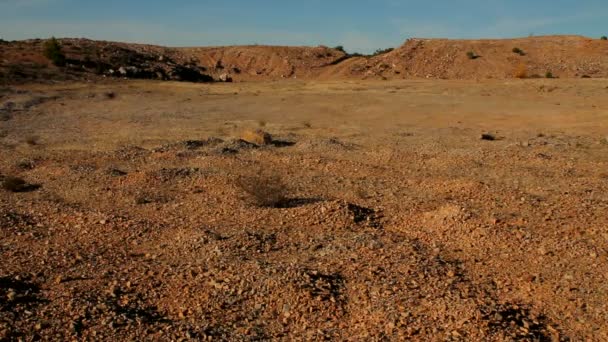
pixel 225 78
pixel 256 136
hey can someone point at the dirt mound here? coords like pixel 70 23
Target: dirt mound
pixel 263 62
pixel 559 56
pixel 563 56
pixel 24 60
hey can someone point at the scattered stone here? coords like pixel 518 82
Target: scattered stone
pixel 116 172
pixel 26 164
pixel 225 78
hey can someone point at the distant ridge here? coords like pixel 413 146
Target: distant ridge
pixel 565 56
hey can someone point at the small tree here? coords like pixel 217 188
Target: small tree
pixel 382 51
pixel 549 74
pixel 340 48
pixel 52 51
pixel 604 38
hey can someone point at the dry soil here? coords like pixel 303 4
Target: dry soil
pixel 389 217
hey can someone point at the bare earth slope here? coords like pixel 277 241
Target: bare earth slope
pixel 24 59
pixel 563 56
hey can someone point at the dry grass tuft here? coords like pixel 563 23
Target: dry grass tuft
pixel 256 136
pixel 26 164
pixel 264 190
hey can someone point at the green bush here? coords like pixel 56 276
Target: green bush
pixel 340 48
pixel 549 74
pixel 382 51
pixel 472 55
pixel 52 51
pixel 604 38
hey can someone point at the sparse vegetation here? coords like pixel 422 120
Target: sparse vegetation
pixel 14 184
pixel 264 190
pixel 382 51
pixel 26 164
pixel 488 136
pixel 53 51
pixel 549 74
pixel 109 95
pixel 519 51
pixel 358 54
pixel 604 38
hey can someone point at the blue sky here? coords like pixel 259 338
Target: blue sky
pixel 359 25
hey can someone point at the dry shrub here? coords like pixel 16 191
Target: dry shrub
pixel 521 71
pixel 14 184
pixel 264 190
pixel 519 51
pixel 26 164
pixel 472 55
pixel 488 136
pixel 256 136
pixel 32 140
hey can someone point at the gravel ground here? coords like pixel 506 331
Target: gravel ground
pixel 422 231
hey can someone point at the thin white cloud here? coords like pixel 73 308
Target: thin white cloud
pixel 500 28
